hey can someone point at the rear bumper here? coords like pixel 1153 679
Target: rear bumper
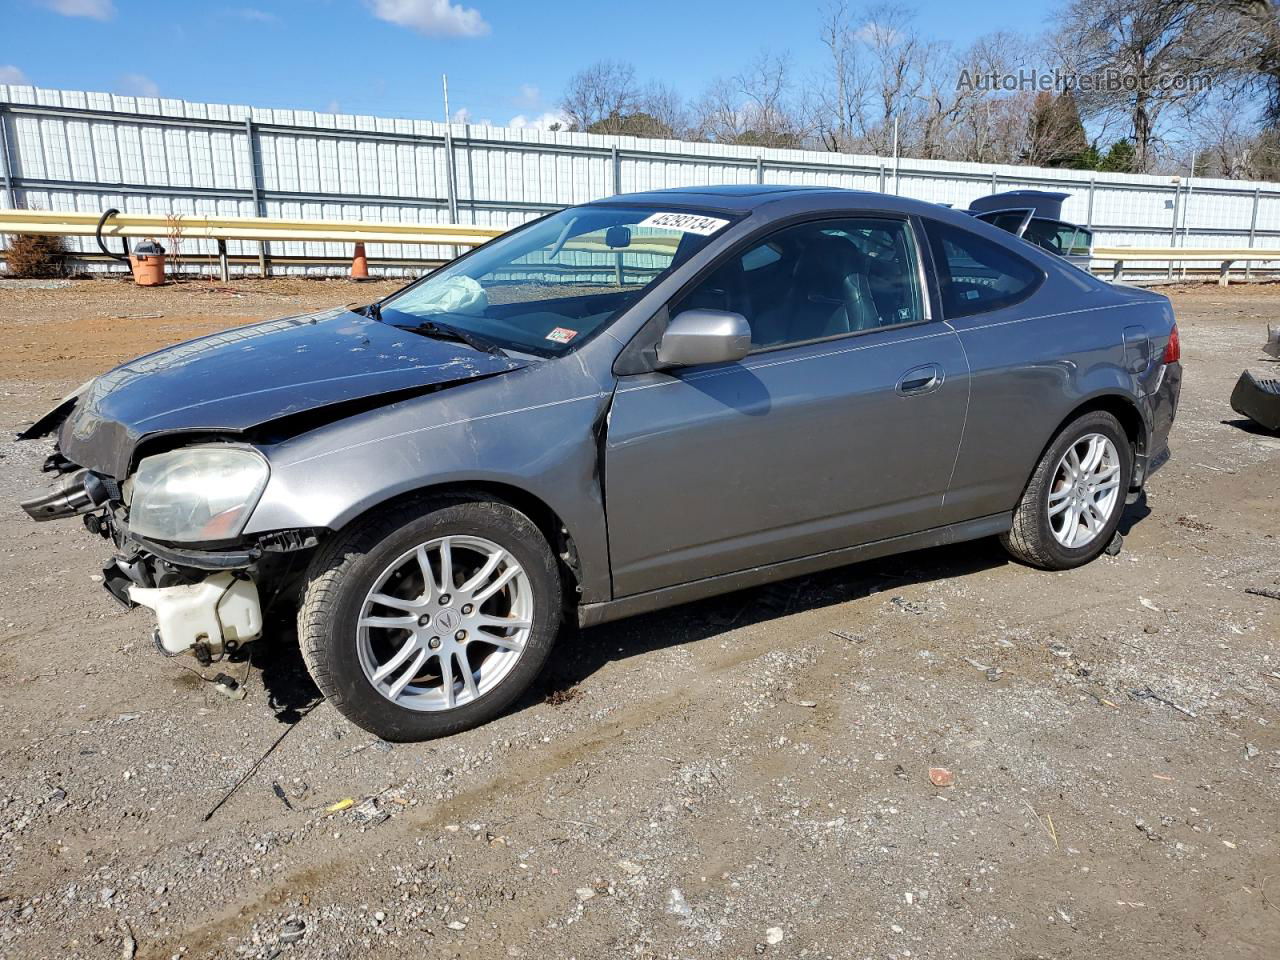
pixel 1163 408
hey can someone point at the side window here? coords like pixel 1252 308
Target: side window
pixel 976 275
pixel 1064 239
pixel 820 279
pixel 1010 221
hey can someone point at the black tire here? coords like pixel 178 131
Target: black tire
pixel 344 570
pixel 1031 538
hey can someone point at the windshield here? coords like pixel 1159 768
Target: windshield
pixel 548 288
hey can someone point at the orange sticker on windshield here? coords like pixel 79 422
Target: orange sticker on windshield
pixel 562 334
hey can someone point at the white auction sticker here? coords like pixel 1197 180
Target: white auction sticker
pixel 684 222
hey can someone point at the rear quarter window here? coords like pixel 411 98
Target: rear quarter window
pixel 976 275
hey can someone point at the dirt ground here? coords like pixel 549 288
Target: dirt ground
pixel 743 776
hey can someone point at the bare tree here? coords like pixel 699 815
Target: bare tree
pixel 600 97
pixel 1248 48
pixel 665 111
pixel 1135 50
pixel 841 95
pixel 754 106
pixel 1222 138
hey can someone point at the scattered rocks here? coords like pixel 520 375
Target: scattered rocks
pixel 941 777
pixel 677 904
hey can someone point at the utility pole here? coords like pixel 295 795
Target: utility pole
pixel 444 80
pixel 895 155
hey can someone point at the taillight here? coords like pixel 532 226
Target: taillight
pixel 1173 351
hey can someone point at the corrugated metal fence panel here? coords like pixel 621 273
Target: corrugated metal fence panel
pixel 79 150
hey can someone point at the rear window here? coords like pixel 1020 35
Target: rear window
pixel 1056 236
pixel 976 275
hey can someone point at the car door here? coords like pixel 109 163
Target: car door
pixel 1024 353
pixel 840 427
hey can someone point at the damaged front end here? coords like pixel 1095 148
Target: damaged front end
pixel 166 456
pixel 206 599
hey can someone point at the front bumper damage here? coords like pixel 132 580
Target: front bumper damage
pixel 206 601
pixel 209 618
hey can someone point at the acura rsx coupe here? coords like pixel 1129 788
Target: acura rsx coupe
pixel 622 406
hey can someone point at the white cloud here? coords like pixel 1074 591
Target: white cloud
pixel 253 15
pixel 877 34
pixel 432 17
pixel 463 115
pixel 529 96
pixel 543 121
pixel 137 85
pixel 11 74
pixel 93 9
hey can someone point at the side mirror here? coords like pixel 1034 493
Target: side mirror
pixel 704 336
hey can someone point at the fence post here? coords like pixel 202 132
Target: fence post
pixel 1088 217
pixel 4 159
pixel 1186 212
pixel 994 179
pixel 1173 230
pixel 882 177
pixel 615 165
pixel 759 169
pixel 255 171
pixel 1253 230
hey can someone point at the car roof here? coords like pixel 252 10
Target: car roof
pixel 781 200
pixel 734 197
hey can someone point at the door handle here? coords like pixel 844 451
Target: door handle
pixel 918 380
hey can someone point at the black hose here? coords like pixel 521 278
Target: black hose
pixel 98 234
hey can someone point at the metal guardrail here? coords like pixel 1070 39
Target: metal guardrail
pixel 1224 256
pixel 67 223
pixel 72 224
pixel 265 229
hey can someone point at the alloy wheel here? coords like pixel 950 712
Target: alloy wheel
pixel 1085 491
pixel 445 623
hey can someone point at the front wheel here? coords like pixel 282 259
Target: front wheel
pixel 1074 500
pixel 431 618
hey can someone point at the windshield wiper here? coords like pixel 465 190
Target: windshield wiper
pixel 442 331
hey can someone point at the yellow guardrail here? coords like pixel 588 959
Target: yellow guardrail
pixel 1185 253
pixel 265 229
pixel 71 224
pixel 1225 256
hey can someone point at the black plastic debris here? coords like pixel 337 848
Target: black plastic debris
pixel 1259 400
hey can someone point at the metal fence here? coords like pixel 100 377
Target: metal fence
pixel 73 150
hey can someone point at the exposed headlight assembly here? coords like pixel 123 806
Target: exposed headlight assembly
pixel 196 493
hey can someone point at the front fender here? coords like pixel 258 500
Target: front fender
pixel 534 430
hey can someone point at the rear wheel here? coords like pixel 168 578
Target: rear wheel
pixel 1075 498
pixel 432 618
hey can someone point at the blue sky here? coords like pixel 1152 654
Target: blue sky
pixel 506 59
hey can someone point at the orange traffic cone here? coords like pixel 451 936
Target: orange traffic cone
pixel 359 264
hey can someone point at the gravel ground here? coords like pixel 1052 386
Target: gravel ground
pixel 941 754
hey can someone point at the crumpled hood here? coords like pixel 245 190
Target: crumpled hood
pixel 244 378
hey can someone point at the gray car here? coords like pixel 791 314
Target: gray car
pixel 622 406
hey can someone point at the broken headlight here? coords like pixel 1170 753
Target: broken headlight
pixel 196 494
